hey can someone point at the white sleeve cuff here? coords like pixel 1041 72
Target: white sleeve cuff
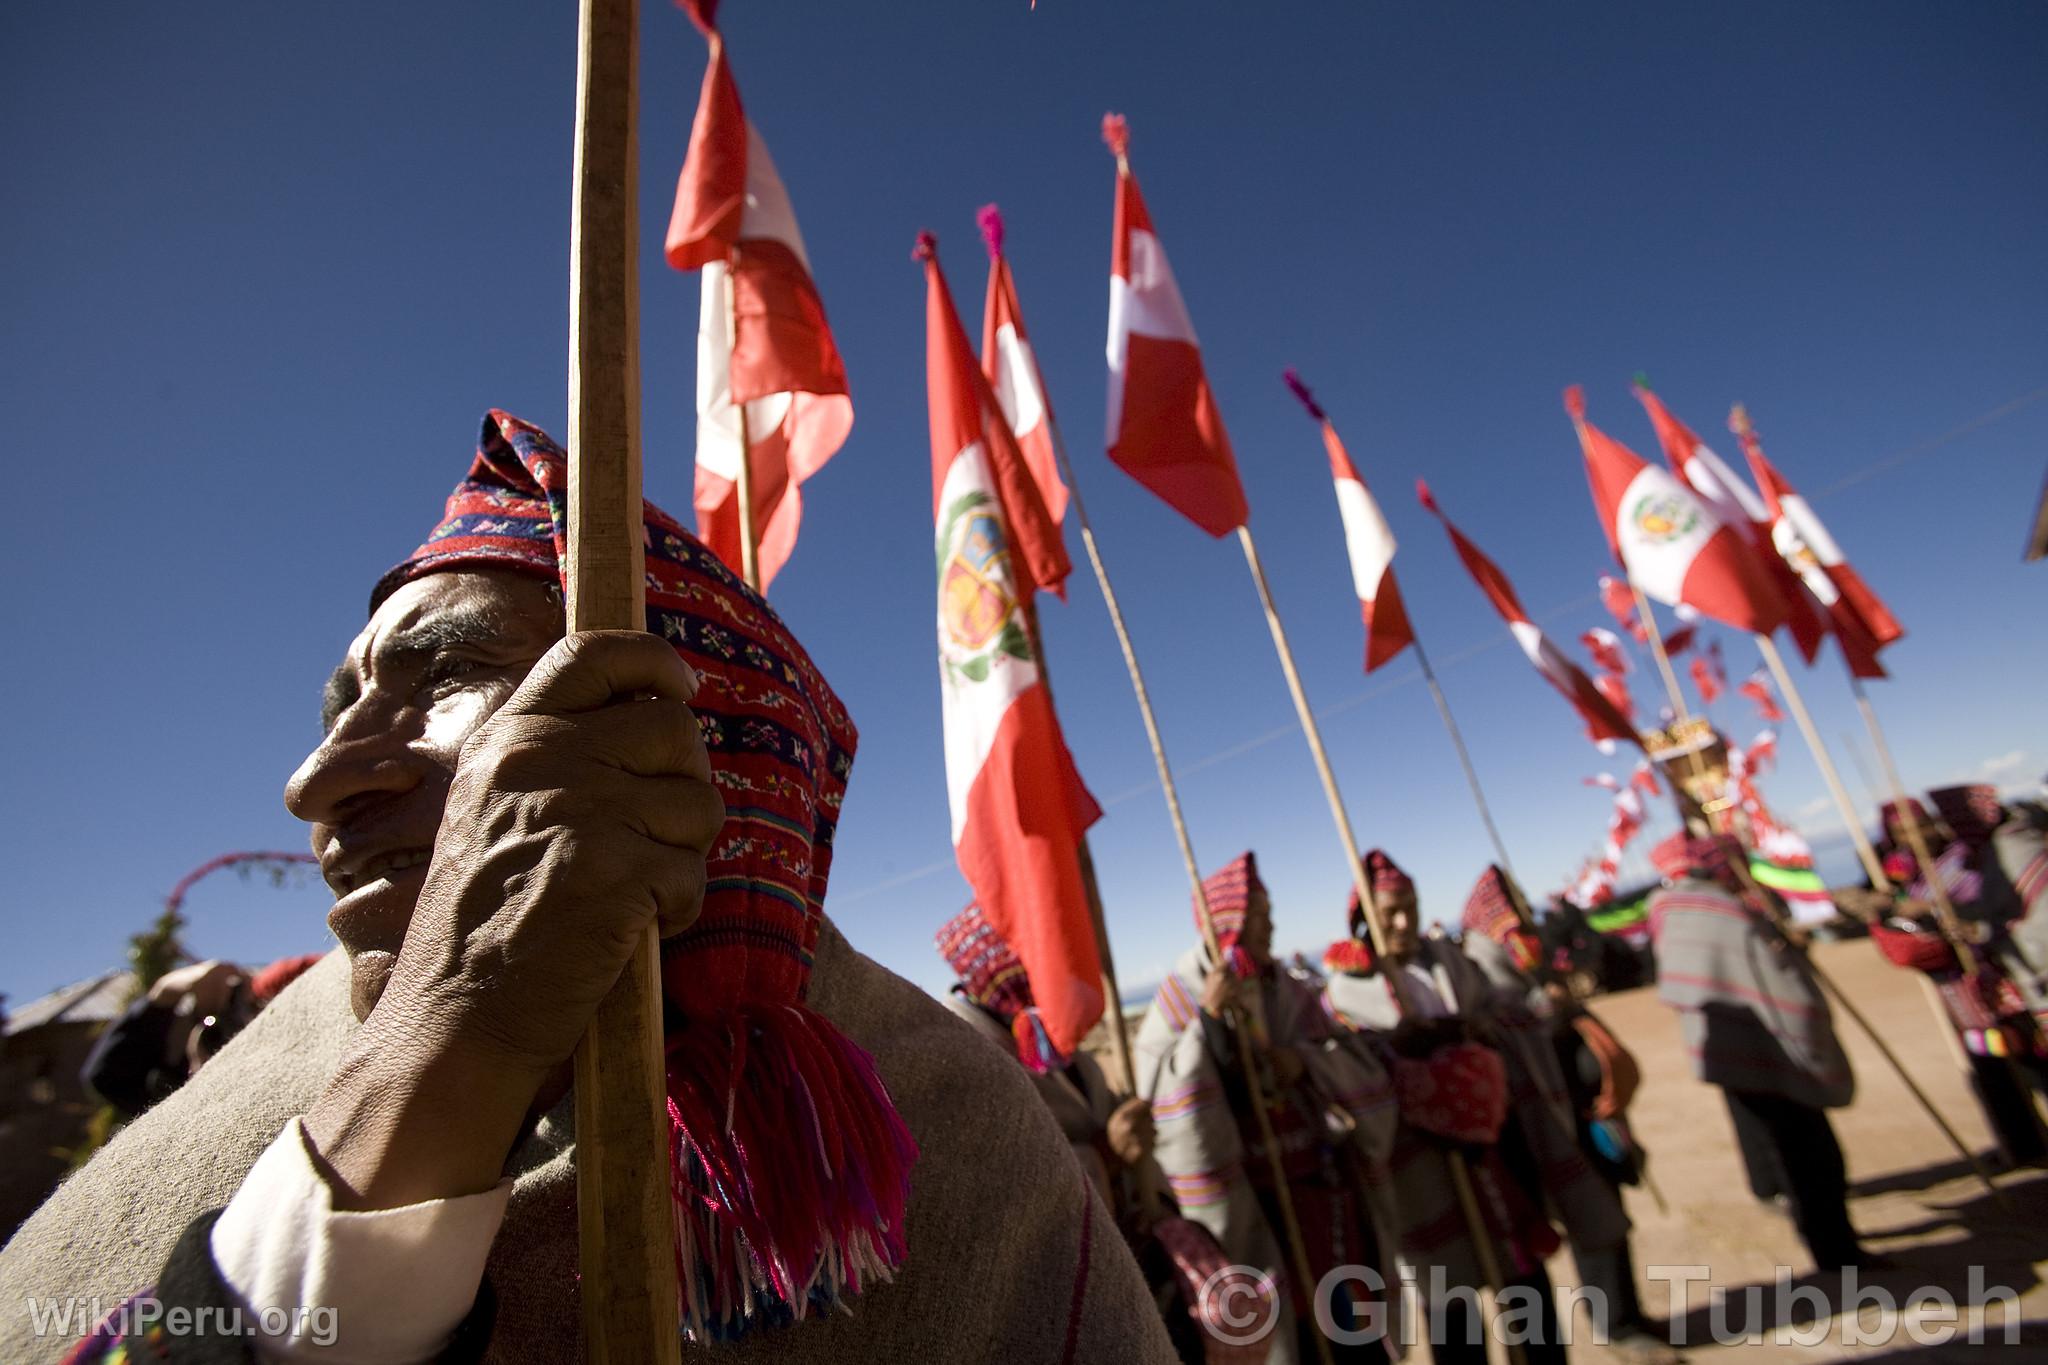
pixel 349 1288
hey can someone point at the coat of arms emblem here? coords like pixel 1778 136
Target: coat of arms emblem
pixel 977 605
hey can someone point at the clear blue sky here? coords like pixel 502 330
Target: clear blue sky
pixel 266 265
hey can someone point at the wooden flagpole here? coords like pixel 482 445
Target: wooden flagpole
pixel 1868 855
pixel 1443 708
pixel 750 550
pixel 1871 865
pixel 625 1220
pixel 1461 1180
pixel 1291 1225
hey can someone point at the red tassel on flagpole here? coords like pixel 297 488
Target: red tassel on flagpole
pixel 991 220
pixel 1116 134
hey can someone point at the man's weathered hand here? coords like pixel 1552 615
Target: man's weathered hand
pixel 580 813
pixel 1219 991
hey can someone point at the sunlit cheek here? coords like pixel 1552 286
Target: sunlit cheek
pixel 454 718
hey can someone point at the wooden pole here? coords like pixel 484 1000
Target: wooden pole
pixel 750 550
pixel 1868 855
pixel 1461 1181
pixel 1443 708
pixel 1291 1226
pixel 625 1220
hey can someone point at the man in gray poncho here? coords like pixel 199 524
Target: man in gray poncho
pixel 1756 1024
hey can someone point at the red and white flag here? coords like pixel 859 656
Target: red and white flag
pixel 1012 370
pixel 1164 429
pixel 733 222
pixel 1757 687
pixel 1367 539
pixel 1733 501
pixel 1708 674
pixel 1674 547
pixel 1605 647
pixel 1604 723
pixel 1019 808
pixel 1862 623
pixel 1621 605
pixel 1614 687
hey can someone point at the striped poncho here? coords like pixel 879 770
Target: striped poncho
pixel 1752 1014
pixel 1199 1144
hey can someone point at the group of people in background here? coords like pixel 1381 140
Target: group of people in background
pixel 1442 1113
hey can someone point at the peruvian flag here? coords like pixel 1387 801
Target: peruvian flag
pixel 1674 547
pixel 1369 541
pixel 733 222
pixel 1757 687
pixel 1019 809
pixel 1604 723
pixel 1605 647
pixel 1164 429
pixel 1862 623
pixel 1012 370
pixel 1708 674
pixel 1732 500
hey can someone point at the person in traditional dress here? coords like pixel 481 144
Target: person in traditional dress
pixel 1570 1133
pixel 1756 1024
pixel 1993 994
pixel 1111 1135
pixel 1426 1009
pixel 1222 1036
pixel 389 1148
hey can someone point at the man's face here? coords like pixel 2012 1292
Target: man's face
pixel 1256 937
pixel 1404 925
pixel 438 658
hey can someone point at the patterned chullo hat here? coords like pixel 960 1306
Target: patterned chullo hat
pixel 1491 912
pixel 1229 893
pixel 992 976
pixel 791 1163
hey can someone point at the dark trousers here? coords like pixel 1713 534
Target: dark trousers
pixel 1612 1272
pixel 1457 1333
pixel 1804 1161
pixel 1759 1153
pixel 2005 1088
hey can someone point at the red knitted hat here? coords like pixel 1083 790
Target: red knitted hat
pixel 792 1164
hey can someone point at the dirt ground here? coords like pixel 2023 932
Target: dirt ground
pixel 1912 1197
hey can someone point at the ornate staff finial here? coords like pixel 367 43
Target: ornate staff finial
pixel 927 247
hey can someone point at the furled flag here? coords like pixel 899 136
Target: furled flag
pixel 1369 541
pixel 1621 605
pixel 1732 500
pixel 1604 724
pixel 1673 546
pixel 1164 429
pixel 1757 688
pixel 778 364
pixel 1708 674
pixel 1012 369
pixel 1019 809
pixel 1615 688
pixel 1862 623
pixel 1605 647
